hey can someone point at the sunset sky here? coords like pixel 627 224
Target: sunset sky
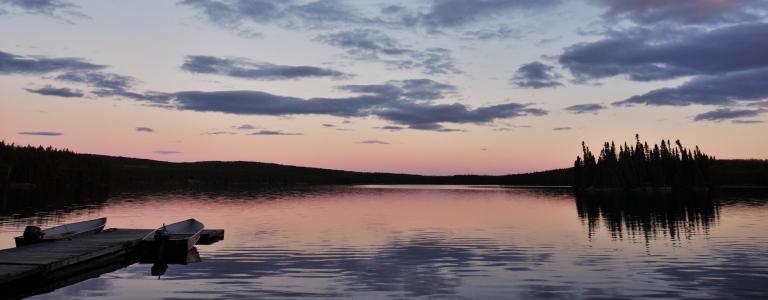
pixel 426 87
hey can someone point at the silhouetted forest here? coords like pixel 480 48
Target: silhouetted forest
pixel 46 172
pixel 60 171
pixel 643 167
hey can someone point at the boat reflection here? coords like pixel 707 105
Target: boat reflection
pixel 649 216
pixel 160 266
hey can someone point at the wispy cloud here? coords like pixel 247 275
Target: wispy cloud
pixel 58 92
pixel 374 45
pixel 585 108
pixel 40 133
pixel 747 122
pixel 561 128
pixel 144 129
pixel 17 64
pixel 727 114
pixel 273 132
pixel 243 68
pixel 377 142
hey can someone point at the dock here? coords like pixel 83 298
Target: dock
pixel 46 266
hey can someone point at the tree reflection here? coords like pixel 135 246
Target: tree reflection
pixel 648 215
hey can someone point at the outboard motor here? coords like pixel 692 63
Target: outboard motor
pixel 33 233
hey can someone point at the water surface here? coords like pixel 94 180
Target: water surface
pixel 451 242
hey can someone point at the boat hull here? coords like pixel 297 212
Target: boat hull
pixel 80 229
pixel 172 242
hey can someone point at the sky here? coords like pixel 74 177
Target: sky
pixel 427 87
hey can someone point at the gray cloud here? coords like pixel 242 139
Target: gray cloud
pixel 220 133
pixel 240 15
pixel 747 122
pixel 328 125
pixel 412 89
pixel 561 128
pixel 272 132
pixel 16 64
pixel 536 75
pixel 403 102
pixel 167 152
pixel 40 133
pixel 58 92
pixel 500 33
pixel 44 7
pixel 443 14
pixel 112 85
pixel 644 57
pixel 374 45
pixel 244 68
pixel 245 127
pixel 144 129
pixel 585 108
pixel 709 90
pixel 374 142
pixel 684 11
pixel 391 128
pixel 727 114
pixel 101 80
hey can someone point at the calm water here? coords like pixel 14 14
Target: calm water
pixel 455 242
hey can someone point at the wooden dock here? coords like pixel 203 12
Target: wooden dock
pixel 41 266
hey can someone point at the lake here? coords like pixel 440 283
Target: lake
pixel 436 242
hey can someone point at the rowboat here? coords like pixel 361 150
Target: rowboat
pixel 33 234
pixel 173 240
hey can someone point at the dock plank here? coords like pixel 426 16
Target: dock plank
pixel 58 260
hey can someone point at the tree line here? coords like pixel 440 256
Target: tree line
pixel 640 166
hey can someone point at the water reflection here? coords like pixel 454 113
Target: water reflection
pixel 649 215
pixel 454 242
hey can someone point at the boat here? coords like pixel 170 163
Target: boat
pixel 34 235
pixel 173 240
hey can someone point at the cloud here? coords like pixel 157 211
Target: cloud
pixel 54 8
pixel 585 108
pixel 272 132
pixel 417 90
pixel 220 133
pixel 100 80
pixel 244 68
pixel 328 125
pixel 726 89
pixel 645 57
pixel 245 127
pixel 747 122
pixel 374 45
pixel 58 92
pixel 40 133
pixel 144 129
pixel 16 64
pixel 561 128
pixel 444 14
pixel 405 102
pixel 374 142
pixel 499 33
pixel 536 75
pixel 391 128
pixel 167 152
pixel 727 114
pixel 684 11
pixel 112 85
pixel 243 16
pixel 240 16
